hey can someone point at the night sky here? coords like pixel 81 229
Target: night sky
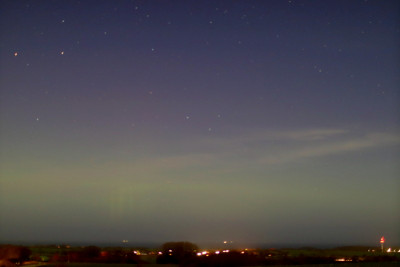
pixel 251 121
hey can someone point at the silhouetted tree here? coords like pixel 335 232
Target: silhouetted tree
pixel 90 252
pixel 177 252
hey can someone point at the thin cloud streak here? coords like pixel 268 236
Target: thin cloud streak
pixel 373 140
pixel 263 135
pixel 221 155
pixel 277 147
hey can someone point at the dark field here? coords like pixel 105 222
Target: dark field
pixel 365 264
pixel 189 254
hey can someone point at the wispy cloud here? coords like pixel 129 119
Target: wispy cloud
pixel 277 147
pixel 354 144
pixel 267 135
pixel 309 134
pixel 256 148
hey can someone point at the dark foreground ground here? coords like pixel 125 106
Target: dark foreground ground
pixel 173 254
pixel 365 264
